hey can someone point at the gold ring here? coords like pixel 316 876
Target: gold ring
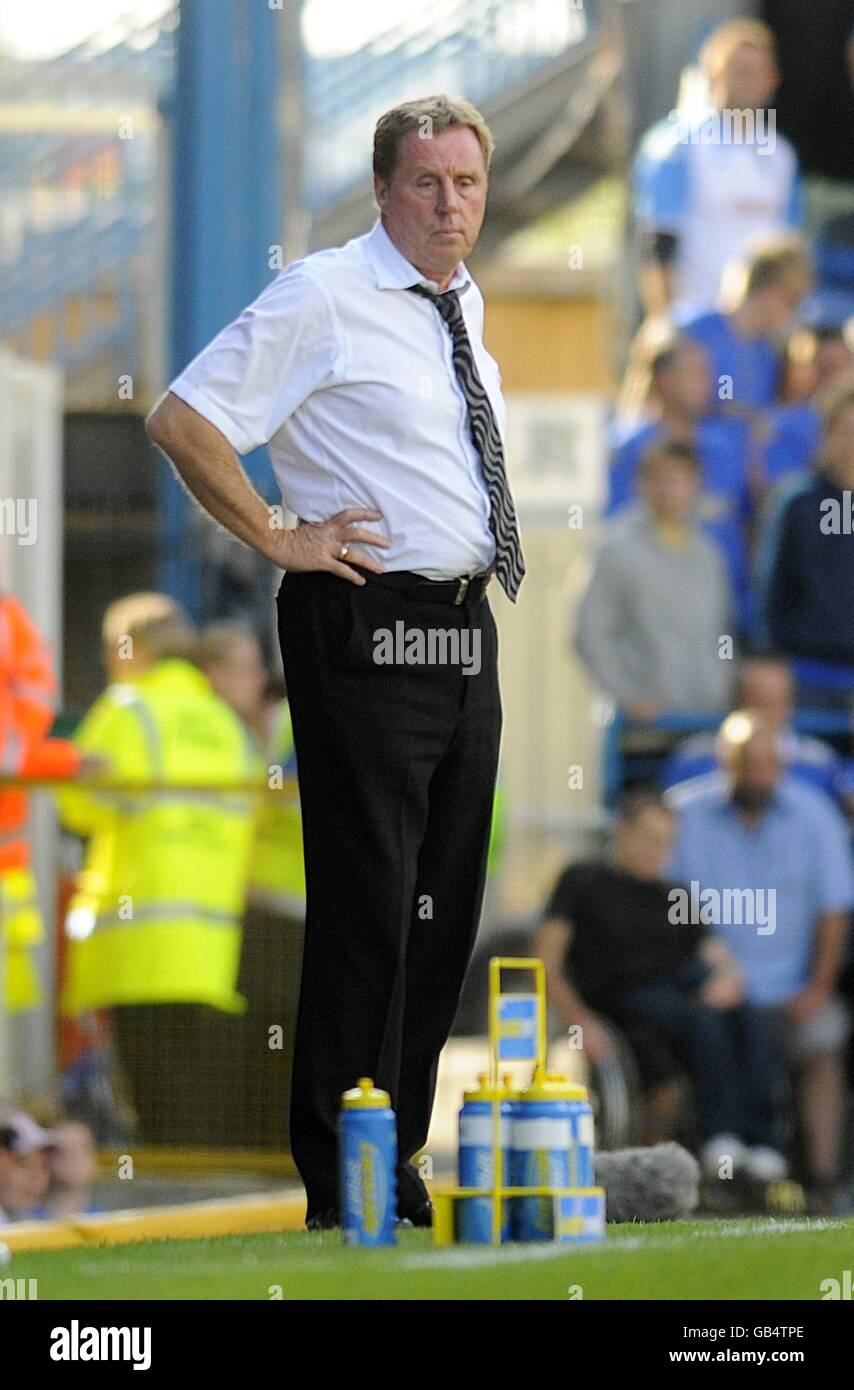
pixel 343 552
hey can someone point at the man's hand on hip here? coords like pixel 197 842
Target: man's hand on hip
pixel 328 545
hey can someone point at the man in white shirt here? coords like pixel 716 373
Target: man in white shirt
pixel 363 367
pixel 710 186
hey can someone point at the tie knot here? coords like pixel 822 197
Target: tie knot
pixel 447 302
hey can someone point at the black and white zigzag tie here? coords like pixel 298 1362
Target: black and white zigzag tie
pixel 509 565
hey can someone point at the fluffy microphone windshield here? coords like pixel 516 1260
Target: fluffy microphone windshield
pixel 655 1184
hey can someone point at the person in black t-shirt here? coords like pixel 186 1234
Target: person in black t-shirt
pixel 611 947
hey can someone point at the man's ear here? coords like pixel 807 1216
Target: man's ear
pixel 380 192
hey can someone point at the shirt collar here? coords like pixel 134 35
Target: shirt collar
pixel 394 272
pixel 777 801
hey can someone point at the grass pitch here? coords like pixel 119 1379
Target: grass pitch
pixel 726 1260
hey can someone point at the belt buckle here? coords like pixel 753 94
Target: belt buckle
pixel 462 590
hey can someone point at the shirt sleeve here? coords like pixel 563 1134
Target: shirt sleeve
pixel 602 621
pixel 261 367
pixel 679 868
pixel 796 211
pixel 622 477
pixel 833 863
pixel 565 895
pixel 661 183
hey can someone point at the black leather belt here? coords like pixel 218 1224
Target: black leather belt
pixel 467 589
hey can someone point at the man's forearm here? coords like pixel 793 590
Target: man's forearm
pixel 567 1000
pixel 829 950
pixel 213 473
pixel 658 255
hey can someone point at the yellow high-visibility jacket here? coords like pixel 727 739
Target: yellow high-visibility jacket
pixel 157 912
pixel 22 930
pixel 277 870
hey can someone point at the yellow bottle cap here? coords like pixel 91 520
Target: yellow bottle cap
pixel 550 1085
pixel 484 1092
pixel 365 1096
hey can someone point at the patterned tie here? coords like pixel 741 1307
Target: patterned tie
pixel 509 565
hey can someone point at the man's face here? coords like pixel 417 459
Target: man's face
pixel 12 1187
pixel 779 304
pixel 434 203
pixel 833 360
pixel 686 385
pixel 74 1159
pixel 669 488
pixel 239 678
pixel 23 1181
pixel 645 843
pixel 35 1175
pixel 766 690
pixel 748 81
pixel 756 772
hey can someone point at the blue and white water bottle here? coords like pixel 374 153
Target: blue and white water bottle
pixel 475 1165
pixel 367 1142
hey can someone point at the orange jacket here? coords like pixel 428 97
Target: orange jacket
pixel 27 690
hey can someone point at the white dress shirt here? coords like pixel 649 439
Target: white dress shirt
pixel 348 377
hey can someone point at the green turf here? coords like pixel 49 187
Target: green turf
pixel 762 1259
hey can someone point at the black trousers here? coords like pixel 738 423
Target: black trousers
pixel 397 768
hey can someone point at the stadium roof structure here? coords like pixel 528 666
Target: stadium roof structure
pixel 80 150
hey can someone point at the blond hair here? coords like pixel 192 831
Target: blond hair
pixel 156 623
pixel 777 261
pixel 431 115
pixel 724 41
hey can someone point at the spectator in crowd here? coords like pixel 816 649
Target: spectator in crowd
pixel 709 188
pixel 27 701
pixel 764 687
pixel 24 1164
pixel 744 339
pixel 73 1168
pixel 11 1177
pixel 792 435
pixel 669 379
pixel 229 653
pixel 614 951
pixel 155 924
pixel 810 615
pixel 270 960
pixel 657 605
pixel 771 863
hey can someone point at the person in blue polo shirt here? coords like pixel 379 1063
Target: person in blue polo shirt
pixel 769 864
pixel 764 687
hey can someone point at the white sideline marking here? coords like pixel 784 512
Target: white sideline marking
pixel 461 1257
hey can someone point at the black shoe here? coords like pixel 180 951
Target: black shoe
pixel 326 1220
pixel 421 1216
